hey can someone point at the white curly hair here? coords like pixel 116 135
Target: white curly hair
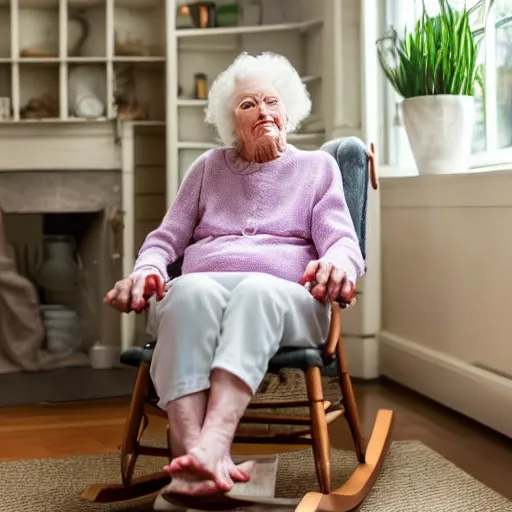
pixel 220 112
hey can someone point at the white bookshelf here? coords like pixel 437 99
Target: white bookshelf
pixel 301 38
pixel 39 50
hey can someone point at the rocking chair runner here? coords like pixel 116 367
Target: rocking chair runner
pixel 357 166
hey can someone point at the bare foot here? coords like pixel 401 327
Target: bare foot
pixel 202 464
pixel 185 482
pixel 238 473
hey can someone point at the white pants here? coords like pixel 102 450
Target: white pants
pixel 232 321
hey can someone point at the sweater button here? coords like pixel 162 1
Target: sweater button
pixel 249 230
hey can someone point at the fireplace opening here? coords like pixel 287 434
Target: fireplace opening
pixel 60 266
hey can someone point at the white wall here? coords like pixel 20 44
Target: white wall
pixel 150 204
pixel 447 281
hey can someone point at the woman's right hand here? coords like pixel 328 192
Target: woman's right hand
pixel 134 292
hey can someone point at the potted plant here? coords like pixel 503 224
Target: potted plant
pixel 434 68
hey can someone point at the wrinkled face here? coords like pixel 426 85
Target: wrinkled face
pixel 259 112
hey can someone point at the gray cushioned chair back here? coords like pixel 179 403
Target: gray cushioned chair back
pixel 352 157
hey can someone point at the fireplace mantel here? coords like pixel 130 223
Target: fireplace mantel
pixel 59 146
pixel 60 192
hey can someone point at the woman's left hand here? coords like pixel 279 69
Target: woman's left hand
pixel 328 282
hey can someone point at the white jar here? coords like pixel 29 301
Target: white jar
pixel 104 357
pixel 86 95
pixel 59 271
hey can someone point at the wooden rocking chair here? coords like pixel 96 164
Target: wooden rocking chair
pixel 357 166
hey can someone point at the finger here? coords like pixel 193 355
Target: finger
pixel 347 290
pixel 335 283
pixel 310 285
pixel 318 292
pixel 110 296
pixel 121 306
pixel 137 292
pixel 323 272
pixel 333 290
pixel 153 285
pixel 124 291
pixel 160 289
pixel 310 272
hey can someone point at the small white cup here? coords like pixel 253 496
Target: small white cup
pixel 104 357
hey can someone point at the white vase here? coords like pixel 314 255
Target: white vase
pixel 440 132
pixel 59 271
pixel 39 33
pixel 136 32
pixel 87 86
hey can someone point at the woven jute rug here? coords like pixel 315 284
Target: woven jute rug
pixel 414 478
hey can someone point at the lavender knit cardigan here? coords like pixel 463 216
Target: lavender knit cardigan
pixel 231 215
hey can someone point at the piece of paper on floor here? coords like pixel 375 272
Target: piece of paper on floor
pixel 263 477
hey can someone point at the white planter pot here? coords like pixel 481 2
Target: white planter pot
pixel 440 132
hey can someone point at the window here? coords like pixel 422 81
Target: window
pixel 503 59
pixel 492 136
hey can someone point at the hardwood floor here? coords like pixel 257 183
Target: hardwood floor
pixel 96 427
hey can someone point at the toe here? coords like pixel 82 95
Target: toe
pixel 209 487
pixel 247 467
pixel 238 475
pixel 222 477
pixel 179 463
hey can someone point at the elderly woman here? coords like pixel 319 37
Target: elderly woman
pixel 267 243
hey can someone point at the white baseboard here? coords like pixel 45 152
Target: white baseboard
pixel 362 357
pixel 476 393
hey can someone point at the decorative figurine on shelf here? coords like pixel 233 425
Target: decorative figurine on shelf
pixel 128 106
pixel 134 35
pixel 45 106
pixel 203 14
pixel 78 32
pixel 183 17
pixel 201 86
pixel 226 15
pixel 133 111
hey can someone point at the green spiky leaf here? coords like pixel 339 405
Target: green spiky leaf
pixel 439 55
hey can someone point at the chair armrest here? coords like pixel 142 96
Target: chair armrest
pixel 335 328
pixel 334 331
pixel 374 176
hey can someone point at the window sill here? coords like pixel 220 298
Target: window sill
pixel 393 171
pixel 492 161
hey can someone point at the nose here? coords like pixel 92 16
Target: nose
pixel 263 110
pixel 264 116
